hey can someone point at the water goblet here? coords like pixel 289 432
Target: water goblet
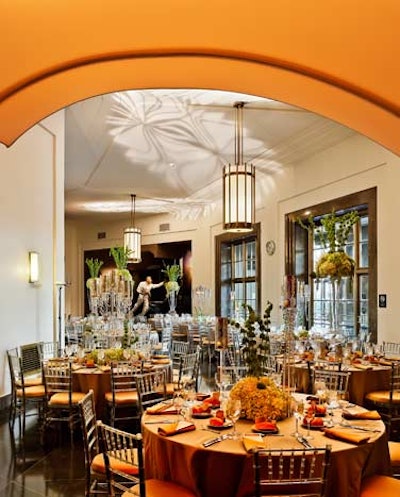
pixel 178 401
pixel 320 390
pixel 298 415
pixel 233 411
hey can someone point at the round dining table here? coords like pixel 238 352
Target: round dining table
pixel 225 469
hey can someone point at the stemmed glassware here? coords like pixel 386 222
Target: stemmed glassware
pixel 178 401
pixel 233 411
pixel 298 415
pixel 309 417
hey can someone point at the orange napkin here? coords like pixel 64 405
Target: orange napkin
pixel 253 442
pixel 162 408
pixel 265 426
pixel 360 413
pixel 347 435
pixel 364 367
pixel 175 428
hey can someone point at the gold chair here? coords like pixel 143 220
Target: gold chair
pixel 387 402
pixel 291 472
pixel 151 389
pixel 337 381
pixel 128 450
pixel 123 396
pixel 61 400
pixel 96 481
pixel 377 486
pixel 23 392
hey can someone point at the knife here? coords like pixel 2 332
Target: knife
pixel 361 428
pixel 305 443
pixel 159 422
pixel 213 441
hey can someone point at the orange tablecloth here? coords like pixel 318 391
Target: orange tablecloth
pixel 225 469
pixel 361 381
pixel 99 381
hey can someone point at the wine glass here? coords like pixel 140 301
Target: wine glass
pixel 320 390
pixel 178 401
pixel 233 411
pixel 100 356
pixel 298 415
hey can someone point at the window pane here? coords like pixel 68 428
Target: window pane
pixel 238 260
pixel 226 272
pixel 226 253
pixel 363 317
pixel 251 259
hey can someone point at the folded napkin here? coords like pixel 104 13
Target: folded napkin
pixel 359 413
pixel 364 367
pixel 160 361
pixel 253 442
pixel 162 408
pixel 347 435
pixel 175 428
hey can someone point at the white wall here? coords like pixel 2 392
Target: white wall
pixel 353 165
pixel 31 218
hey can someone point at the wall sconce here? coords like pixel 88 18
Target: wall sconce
pixel 33 267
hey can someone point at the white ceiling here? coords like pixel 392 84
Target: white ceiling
pixel 169 146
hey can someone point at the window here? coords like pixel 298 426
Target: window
pixel 356 299
pixel 237 274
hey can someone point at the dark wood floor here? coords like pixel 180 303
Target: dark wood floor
pixel 28 469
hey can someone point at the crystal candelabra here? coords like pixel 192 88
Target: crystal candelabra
pixel 111 295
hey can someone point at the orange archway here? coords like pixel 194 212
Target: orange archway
pixel 341 64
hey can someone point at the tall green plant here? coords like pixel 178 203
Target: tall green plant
pixel 94 266
pixel 256 341
pixel 121 257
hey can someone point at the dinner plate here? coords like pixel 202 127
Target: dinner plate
pixel 265 432
pixel 225 426
pixel 201 415
pixel 305 425
pixel 202 396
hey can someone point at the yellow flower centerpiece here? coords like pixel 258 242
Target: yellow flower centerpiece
pixel 260 397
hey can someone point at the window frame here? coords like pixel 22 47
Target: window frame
pixel 365 198
pixel 231 239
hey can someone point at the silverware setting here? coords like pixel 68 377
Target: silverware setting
pixel 213 441
pixel 304 442
pixel 161 422
pixel 361 428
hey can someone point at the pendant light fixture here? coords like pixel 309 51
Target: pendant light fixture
pixel 133 237
pixel 239 183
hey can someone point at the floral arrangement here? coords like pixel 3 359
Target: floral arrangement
pixel 255 339
pixel 333 235
pixel 260 398
pixel 111 355
pixel 121 257
pixel 94 266
pixel 173 273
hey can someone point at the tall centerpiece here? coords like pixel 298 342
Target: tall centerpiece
pixel 259 395
pixel 93 284
pixel 173 273
pixel 334 264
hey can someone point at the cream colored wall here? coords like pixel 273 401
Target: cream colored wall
pixel 31 218
pixel 352 165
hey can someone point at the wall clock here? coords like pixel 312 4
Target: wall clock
pixel 270 247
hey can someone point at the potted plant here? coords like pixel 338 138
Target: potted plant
pixel 94 266
pixel 121 257
pixel 173 273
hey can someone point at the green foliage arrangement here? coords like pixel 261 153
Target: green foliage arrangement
pixel 256 345
pixel 94 266
pixel 173 273
pixel 121 257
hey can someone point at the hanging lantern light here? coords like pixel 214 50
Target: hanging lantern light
pixel 239 183
pixel 133 237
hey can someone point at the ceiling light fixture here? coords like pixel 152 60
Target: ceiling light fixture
pixel 133 237
pixel 239 182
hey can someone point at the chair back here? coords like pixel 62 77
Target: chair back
pixel 151 388
pixel 87 414
pixel 123 377
pixel 49 350
pixel 291 472
pixel 334 380
pixel 189 368
pixel 327 365
pixel 127 449
pixel 394 384
pixel 232 373
pixel 391 349
pixel 58 378
pixel 15 368
pixel 31 358
pixel 178 349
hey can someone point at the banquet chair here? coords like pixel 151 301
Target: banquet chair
pixel 327 365
pixel 378 485
pixel 61 401
pixel 234 373
pixel 95 470
pixel 23 392
pixel 387 402
pixel 127 449
pixel 394 452
pixel 31 361
pixel 291 472
pixel 49 350
pixel 189 369
pixel 178 349
pixel 123 397
pixel 336 381
pixel 151 389
pixel 391 349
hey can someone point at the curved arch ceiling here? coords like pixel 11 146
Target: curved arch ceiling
pixel 340 63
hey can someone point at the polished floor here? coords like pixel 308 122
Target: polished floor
pixel 28 469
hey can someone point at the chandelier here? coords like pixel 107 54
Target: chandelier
pixel 133 237
pixel 239 185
